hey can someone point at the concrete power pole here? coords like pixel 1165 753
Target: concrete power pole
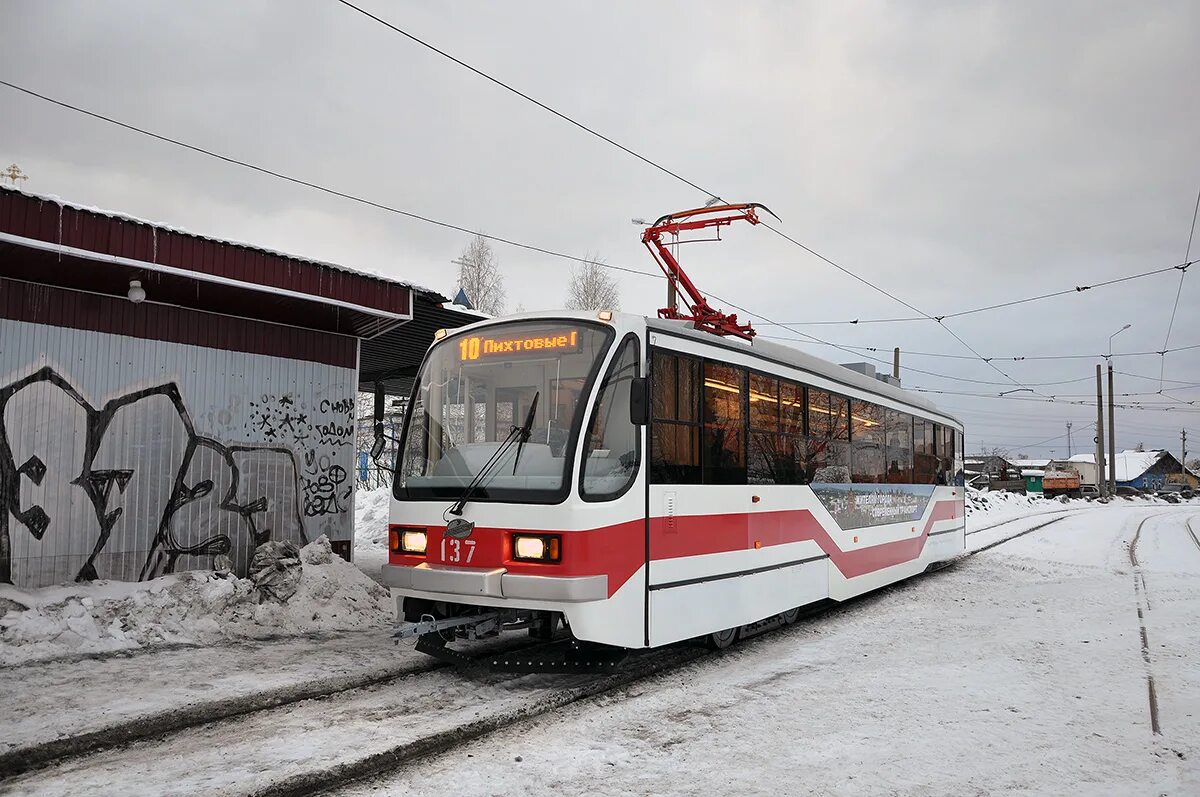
pixel 1100 480
pixel 1068 439
pixel 1112 437
pixel 1183 454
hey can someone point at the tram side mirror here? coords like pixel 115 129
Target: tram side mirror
pixel 639 403
pixel 378 445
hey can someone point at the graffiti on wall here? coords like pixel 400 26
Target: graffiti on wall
pixel 143 473
pixel 318 431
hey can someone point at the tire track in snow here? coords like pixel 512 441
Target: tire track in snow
pixel 1143 606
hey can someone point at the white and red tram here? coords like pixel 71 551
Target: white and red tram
pixel 647 482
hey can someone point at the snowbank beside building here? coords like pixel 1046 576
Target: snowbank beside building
pixel 191 608
pixel 371 508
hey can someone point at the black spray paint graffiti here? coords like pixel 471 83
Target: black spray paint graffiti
pixel 139 468
pixel 330 424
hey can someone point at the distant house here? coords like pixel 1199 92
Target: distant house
pixel 994 466
pixel 1142 469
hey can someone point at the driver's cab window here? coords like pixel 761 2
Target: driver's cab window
pixel 612 448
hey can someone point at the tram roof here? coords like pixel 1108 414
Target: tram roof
pixel 787 355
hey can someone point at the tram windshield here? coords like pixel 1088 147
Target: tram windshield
pixel 475 387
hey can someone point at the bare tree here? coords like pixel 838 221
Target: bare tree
pixel 479 276
pixel 591 287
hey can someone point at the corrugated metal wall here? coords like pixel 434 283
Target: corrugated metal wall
pixel 125 458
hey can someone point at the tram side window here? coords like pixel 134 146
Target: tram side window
pixel 946 456
pixel 724 455
pixel 816 448
pixel 837 463
pixel 924 457
pixel 938 450
pixel 776 426
pixel 612 449
pixel 792 408
pixel 827 450
pixel 959 452
pixel 867 436
pixel 675 422
pixel 899 426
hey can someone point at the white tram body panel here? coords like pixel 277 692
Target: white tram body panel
pixel 660 559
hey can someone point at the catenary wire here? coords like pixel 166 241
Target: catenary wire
pixel 324 189
pixel 459 228
pixel 1065 292
pixel 416 216
pixel 665 170
pixel 526 97
pixel 1179 290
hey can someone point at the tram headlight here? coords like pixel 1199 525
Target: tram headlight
pixel 406 540
pixel 537 547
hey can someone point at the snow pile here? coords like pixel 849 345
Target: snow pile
pixel 193 607
pixel 991 501
pixel 371 511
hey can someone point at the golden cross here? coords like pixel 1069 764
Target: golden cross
pixel 14 173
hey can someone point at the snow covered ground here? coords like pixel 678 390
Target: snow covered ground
pixel 1020 670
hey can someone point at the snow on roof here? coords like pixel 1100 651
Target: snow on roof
pixel 1130 464
pixel 1030 463
pixel 113 214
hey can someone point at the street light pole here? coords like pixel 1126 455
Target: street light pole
pixel 1112 437
pixel 1112 430
pixel 1113 335
pixel 1099 432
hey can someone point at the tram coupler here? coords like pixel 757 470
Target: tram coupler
pixel 471 626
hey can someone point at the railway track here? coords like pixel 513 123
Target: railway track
pixel 383 699
pixel 155 725
pixel 1192 533
pixel 1142 594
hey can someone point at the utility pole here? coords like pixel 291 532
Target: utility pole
pixel 896 363
pixel 1183 454
pixel 1112 437
pixel 1068 439
pixel 1099 432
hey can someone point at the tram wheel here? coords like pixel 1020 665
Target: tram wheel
pixel 719 640
pixel 791 616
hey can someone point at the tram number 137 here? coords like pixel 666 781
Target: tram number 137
pixel 453 550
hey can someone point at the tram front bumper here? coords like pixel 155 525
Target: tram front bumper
pixel 495 582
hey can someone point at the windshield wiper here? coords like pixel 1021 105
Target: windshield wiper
pixel 526 430
pixel 521 433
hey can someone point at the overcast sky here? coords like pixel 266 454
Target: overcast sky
pixel 957 155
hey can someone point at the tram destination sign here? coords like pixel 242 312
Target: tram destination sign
pixel 503 347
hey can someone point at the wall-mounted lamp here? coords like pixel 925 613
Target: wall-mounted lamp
pixel 136 293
